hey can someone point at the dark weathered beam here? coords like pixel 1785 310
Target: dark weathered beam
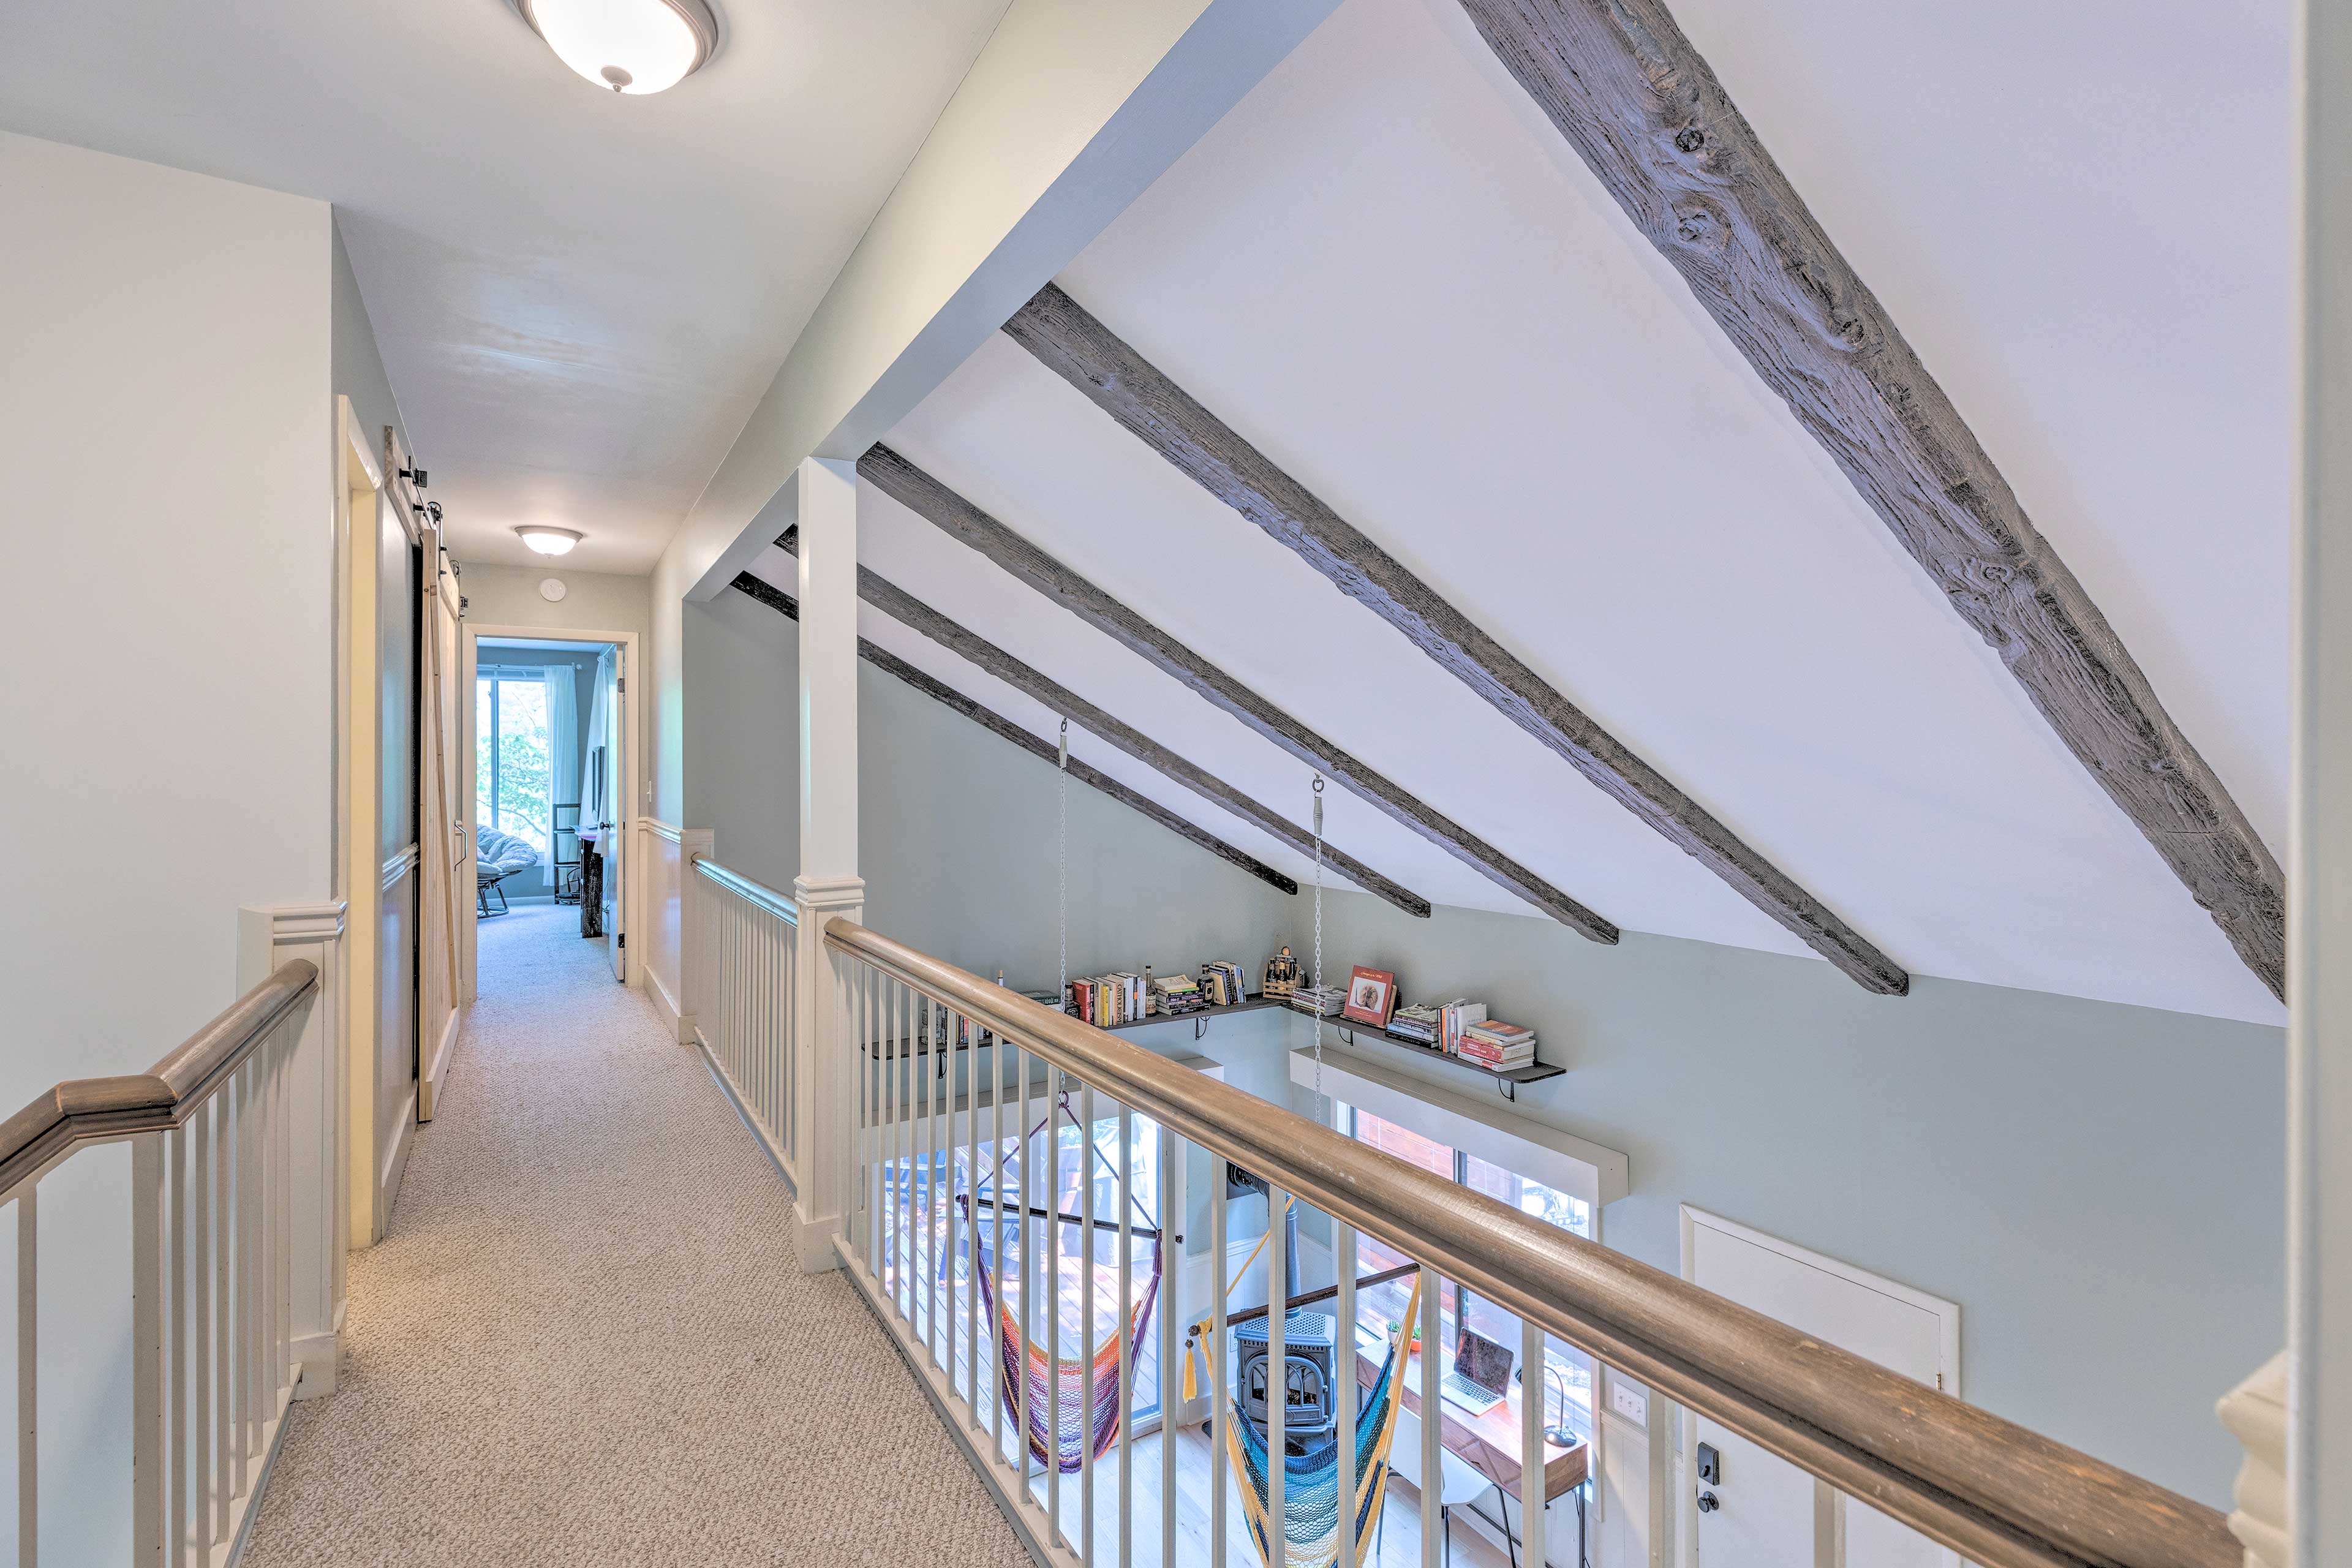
pixel 988 719
pixel 1639 104
pixel 969 645
pixel 952 514
pixel 1131 389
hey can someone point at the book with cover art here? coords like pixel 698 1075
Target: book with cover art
pixel 1371 996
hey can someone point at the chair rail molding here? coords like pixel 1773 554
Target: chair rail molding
pixel 267 936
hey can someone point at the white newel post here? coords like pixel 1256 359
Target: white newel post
pixel 828 884
pixel 268 936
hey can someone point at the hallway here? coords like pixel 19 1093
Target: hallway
pixel 583 1339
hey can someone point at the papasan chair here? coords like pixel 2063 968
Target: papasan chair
pixel 497 857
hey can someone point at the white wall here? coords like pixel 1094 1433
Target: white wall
pixel 2100 1187
pixel 165 427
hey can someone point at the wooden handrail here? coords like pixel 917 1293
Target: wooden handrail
pixel 92 1110
pixel 1998 1493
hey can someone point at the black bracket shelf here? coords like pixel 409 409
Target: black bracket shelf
pixel 1507 1079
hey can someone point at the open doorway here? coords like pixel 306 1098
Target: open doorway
pixel 553 741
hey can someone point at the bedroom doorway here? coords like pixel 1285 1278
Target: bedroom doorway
pixel 554 743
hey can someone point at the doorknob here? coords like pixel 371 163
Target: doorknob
pixel 1707 1502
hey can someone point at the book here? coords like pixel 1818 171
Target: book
pixel 1458 1015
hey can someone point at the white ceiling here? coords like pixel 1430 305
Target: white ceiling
pixel 1390 274
pixel 578 297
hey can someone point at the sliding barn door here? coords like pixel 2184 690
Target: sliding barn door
pixel 400 593
pixel 446 867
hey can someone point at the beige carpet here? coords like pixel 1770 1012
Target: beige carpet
pixel 583 1341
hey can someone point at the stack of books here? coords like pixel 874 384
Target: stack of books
pixel 1453 1017
pixel 1223 982
pixel 1324 1001
pixel 1177 994
pixel 1103 1000
pixel 1418 1024
pixel 1496 1045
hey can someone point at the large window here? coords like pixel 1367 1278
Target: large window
pixel 1381 1306
pixel 512 775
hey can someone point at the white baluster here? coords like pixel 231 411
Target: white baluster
pixel 1171 1379
pixel 1050 1287
pixel 957 1024
pixel 223 1374
pixel 28 1361
pixel 150 1366
pixel 204 1203
pixel 1432 1420
pixel 1277 1380
pixel 1086 1318
pixel 1343 1380
pixel 1218 1367
pixel 178 1527
pixel 1028 1259
pixel 1127 1341
pixel 1533 1478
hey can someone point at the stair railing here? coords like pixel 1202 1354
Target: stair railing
pixel 212 1257
pixel 945 1167
pixel 747 934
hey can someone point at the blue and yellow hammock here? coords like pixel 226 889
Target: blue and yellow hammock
pixel 1310 1479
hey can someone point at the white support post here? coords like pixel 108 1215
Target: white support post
pixel 314 1099
pixel 2319 848
pixel 825 507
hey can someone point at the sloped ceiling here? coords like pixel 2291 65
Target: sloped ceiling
pixel 1387 272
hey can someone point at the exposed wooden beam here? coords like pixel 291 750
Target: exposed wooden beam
pixel 1131 390
pixel 1639 106
pixel 969 645
pixel 960 518
pixel 996 723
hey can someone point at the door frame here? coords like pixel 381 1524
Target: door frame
pixel 469 635
pixel 1947 1355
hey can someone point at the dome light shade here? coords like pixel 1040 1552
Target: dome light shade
pixel 626 46
pixel 549 541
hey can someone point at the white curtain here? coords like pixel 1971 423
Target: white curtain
pixel 562 745
pixel 594 736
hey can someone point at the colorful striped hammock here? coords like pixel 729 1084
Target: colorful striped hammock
pixel 1311 1481
pixel 1029 1365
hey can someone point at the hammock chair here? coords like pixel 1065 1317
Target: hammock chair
pixel 1311 1481
pixel 1026 1363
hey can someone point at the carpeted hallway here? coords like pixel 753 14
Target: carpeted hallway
pixel 584 1340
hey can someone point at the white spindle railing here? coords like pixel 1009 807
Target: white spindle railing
pixel 968 1183
pixel 743 1004
pixel 213 1260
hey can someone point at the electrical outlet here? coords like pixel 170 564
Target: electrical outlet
pixel 1629 1402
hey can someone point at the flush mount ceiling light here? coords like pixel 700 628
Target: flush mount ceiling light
pixel 549 541
pixel 626 46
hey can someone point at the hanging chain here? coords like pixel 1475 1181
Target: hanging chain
pixel 1061 996
pixel 1322 1106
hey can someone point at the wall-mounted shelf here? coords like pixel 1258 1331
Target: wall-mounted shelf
pixel 1507 1079
pixel 1199 1016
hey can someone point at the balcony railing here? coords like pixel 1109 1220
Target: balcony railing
pixel 970 1228
pixel 213 1258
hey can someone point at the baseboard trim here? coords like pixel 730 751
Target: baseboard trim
pixel 320 1357
pixel 680 1023
pixel 437 1069
pixel 750 1120
pixel 395 1166
pixel 936 1386
pixel 247 1508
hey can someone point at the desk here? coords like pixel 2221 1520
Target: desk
pixel 1489 1444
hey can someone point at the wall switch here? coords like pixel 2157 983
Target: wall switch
pixel 1629 1401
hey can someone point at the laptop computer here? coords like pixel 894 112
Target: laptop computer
pixel 1481 1375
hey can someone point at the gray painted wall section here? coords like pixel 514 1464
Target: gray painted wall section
pixel 2099 1187
pixel 358 363
pixel 957 827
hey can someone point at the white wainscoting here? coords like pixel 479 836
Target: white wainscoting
pixel 666 915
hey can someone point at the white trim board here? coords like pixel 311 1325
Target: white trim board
pixel 1576 1167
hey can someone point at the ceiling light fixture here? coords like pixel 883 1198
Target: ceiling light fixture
pixel 626 46
pixel 549 541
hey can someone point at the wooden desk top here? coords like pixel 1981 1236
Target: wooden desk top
pixel 1489 1444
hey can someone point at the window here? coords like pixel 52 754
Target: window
pixel 512 772
pixel 1381 1306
